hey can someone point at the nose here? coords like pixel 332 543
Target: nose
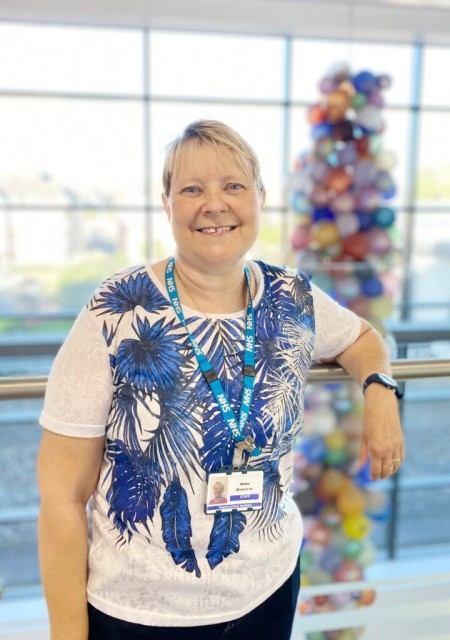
pixel 214 201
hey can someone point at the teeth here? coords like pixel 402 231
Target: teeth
pixel 215 229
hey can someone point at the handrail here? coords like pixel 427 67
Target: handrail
pixel 34 387
pixel 12 388
pixel 402 369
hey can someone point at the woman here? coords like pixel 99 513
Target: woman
pixel 173 375
pixel 217 493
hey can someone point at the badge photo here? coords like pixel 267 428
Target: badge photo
pixel 237 490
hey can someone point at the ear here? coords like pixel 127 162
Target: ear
pixel 166 206
pixel 263 198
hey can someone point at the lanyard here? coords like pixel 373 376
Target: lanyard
pixel 210 375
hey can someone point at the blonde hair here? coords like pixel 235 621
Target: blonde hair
pixel 216 134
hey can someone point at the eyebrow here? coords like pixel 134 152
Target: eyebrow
pixel 226 178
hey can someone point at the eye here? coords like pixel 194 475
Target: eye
pixel 190 189
pixel 235 186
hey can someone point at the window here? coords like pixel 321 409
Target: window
pixel 85 114
pixel 71 60
pixel 85 129
pixel 216 66
pixel 436 83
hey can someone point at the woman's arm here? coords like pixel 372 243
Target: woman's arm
pixel 68 470
pixel 382 438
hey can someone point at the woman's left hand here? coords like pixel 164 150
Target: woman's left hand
pixel 382 437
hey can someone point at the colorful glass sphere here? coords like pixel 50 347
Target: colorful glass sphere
pixel 356 527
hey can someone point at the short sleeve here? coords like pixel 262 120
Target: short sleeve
pixel 336 327
pixel 80 387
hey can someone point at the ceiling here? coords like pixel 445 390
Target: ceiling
pixel 389 20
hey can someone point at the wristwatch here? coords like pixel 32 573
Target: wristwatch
pixel 385 380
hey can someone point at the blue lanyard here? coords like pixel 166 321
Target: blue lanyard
pixel 237 429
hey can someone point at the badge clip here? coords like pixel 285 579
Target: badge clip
pixel 247 444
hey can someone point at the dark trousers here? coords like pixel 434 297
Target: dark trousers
pixel 271 620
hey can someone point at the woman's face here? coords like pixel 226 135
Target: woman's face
pixel 213 207
pixel 218 490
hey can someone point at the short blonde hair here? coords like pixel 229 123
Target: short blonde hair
pixel 216 134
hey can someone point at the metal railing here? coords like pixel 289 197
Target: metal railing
pixel 34 386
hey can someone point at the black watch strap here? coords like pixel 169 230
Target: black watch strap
pixel 385 380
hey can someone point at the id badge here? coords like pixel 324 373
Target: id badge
pixel 234 491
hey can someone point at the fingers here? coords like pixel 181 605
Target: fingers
pixel 376 468
pixel 383 464
pixel 386 450
pixel 363 454
pixel 386 467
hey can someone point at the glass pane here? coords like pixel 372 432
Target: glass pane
pixel 300 134
pixel 19 564
pixel 313 58
pixel 395 278
pixel 425 418
pixel 163 244
pixel 423 516
pixel 433 184
pixel 71 59
pixel 19 440
pixel 71 151
pixel 395 141
pixel 56 259
pixel 226 66
pixel 431 266
pixel 436 82
pixel 261 126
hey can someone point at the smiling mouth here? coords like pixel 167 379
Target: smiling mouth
pixel 215 230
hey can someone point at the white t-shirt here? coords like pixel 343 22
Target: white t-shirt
pixel 127 370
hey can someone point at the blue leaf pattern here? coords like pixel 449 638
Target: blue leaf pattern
pixel 173 443
pixel 124 415
pixel 218 443
pixel 271 344
pixel 126 295
pixel 108 333
pixel 135 487
pixel 224 538
pixel 272 494
pixel 154 358
pixel 176 527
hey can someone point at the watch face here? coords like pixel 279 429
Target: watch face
pixel 388 379
pixel 385 380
